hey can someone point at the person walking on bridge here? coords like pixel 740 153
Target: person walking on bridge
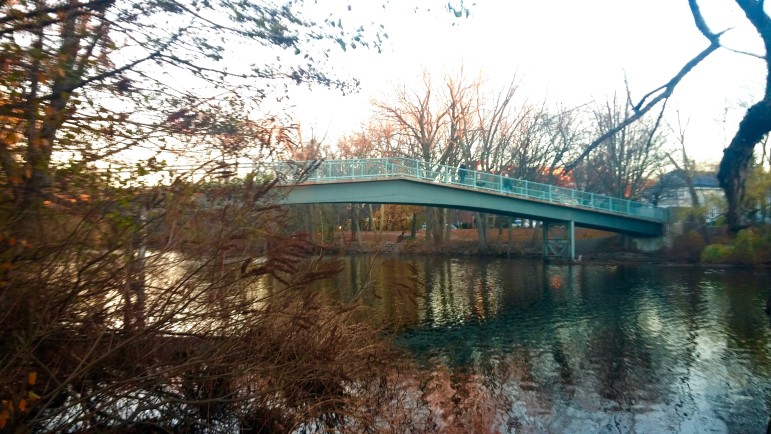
pixel 462 173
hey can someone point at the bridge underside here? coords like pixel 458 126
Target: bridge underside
pixel 414 192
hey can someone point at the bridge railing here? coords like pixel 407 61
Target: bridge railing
pixel 397 167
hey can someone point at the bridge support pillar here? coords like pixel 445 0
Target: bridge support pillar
pixel 559 240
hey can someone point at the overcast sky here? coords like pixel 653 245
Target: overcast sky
pixel 567 51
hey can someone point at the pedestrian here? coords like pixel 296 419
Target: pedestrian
pixel 462 172
pixel 507 182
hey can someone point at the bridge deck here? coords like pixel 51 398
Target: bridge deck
pixel 406 181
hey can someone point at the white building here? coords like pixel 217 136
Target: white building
pixel 672 191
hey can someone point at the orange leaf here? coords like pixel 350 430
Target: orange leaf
pixel 31 378
pixel 3 418
pixel 22 405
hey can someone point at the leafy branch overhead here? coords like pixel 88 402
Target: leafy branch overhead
pixel 93 80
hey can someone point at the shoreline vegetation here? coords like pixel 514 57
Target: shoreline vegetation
pixel 592 246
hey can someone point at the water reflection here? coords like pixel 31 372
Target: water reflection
pixel 585 348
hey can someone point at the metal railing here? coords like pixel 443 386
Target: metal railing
pixel 330 171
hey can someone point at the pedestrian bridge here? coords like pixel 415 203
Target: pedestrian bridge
pixel 413 182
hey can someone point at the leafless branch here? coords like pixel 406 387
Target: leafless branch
pixel 663 92
pixel 658 95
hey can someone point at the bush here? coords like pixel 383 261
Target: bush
pixel 752 246
pixel 716 253
pixel 122 321
pixel 688 247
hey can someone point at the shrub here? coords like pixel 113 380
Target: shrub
pixel 688 247
pixel 716 253
pixel 752 246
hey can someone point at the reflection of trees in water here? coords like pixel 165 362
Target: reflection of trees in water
pixel 745 317
pixel 744 345
pixel 626 344
pixel 392 289
pixel 660 346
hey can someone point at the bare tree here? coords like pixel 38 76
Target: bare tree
pixel 484 138
pixel 685 165
pixel 421 118
pixel 489 135
pixel 755 125
pixel 625 161
pixel 753 128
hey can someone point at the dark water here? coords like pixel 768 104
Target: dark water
pixel 588 348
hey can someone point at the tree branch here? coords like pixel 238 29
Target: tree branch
pixel 17 15
pixel 25 22
pixel 663 92
pixel 643 106
pixel 698 19
pixel 7 164
pixel 8 108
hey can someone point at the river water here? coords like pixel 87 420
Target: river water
pixel 583 348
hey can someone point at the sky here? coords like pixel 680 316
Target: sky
pixel 564 51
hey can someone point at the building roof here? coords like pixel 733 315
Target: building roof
pixel 676 179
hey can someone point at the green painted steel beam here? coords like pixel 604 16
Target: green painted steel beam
pixel 443 195
pixel 337 171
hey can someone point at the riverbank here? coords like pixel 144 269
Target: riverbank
pixel 514 242
pixel 591 246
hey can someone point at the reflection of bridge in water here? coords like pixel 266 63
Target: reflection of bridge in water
pixel 413 182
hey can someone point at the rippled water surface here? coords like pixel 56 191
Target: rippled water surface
pixel 587 348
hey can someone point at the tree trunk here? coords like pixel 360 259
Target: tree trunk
pixel 441 224
pixel 737 157
pixel 355 230
pixel 447 226
pixel 369 220
pixel 382 221
pixel 134 291
pixel 321 222
pixel 510 241
pixel 435 225
pixel 484 245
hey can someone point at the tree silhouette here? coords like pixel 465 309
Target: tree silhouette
pixel 754 126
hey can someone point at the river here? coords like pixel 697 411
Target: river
pixel 583 348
